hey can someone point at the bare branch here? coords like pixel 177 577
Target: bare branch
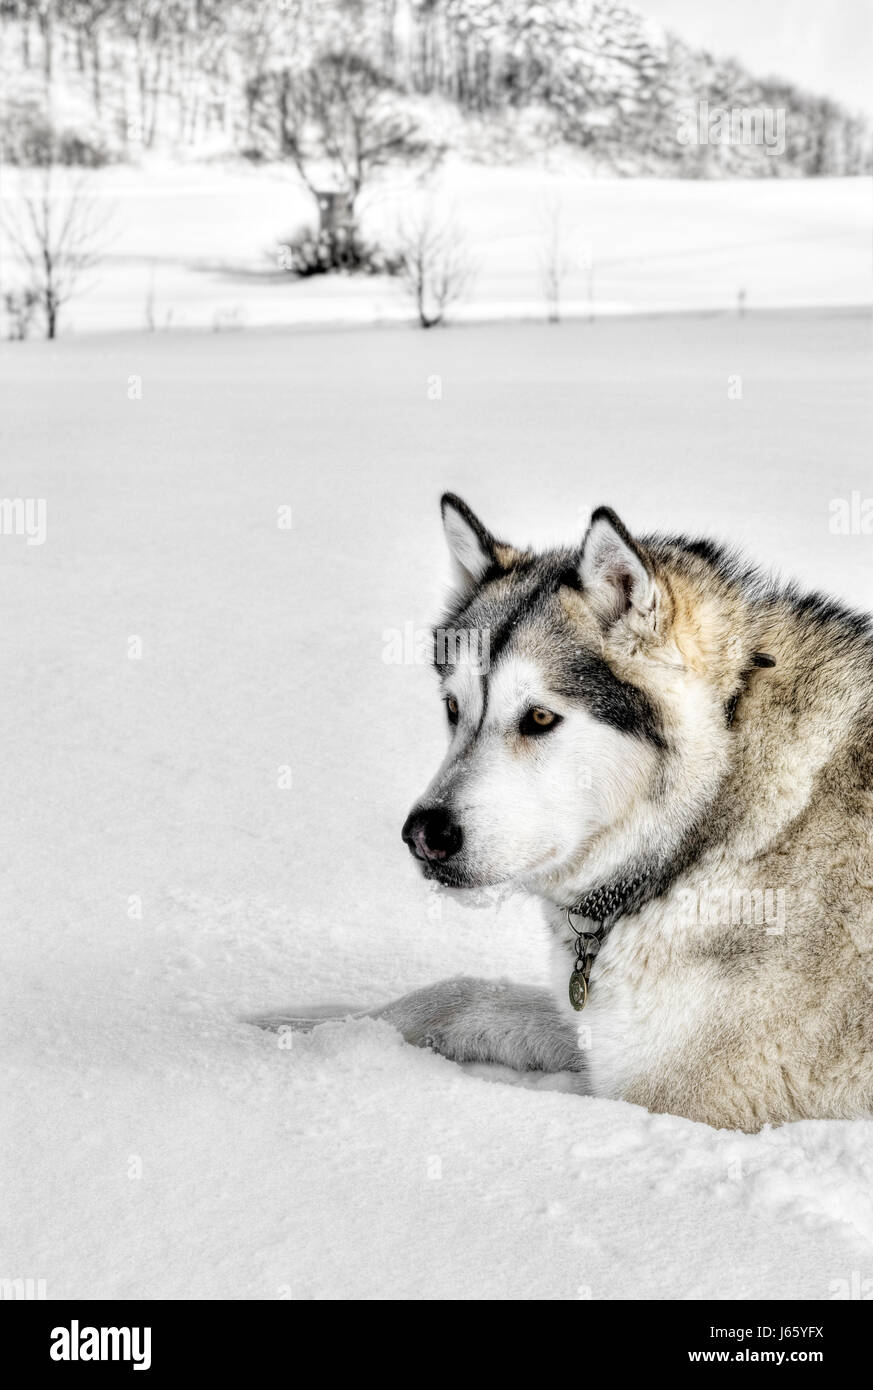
pixel 555 262
pixel 59 233
pixel 436 267
pixel 341 120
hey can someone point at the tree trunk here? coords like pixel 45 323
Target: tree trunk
pixel 96 86
pixel 155 98
pixel 45 24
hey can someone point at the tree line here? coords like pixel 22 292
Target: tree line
pixel 98 80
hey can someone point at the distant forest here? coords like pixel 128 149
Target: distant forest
pixel 96 81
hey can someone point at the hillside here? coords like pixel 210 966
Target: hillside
pixel 108 79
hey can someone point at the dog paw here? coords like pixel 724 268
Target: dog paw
pixel 435 1040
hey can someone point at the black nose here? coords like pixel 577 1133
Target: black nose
pixel 432 835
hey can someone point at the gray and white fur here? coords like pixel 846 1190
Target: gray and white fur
pixel 660 726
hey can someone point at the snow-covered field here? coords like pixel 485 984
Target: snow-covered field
pixel 156 1145
pixel 196 245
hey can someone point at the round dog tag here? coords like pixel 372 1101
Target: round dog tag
pixel 578 990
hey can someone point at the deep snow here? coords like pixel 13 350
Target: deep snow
pixel 351 1165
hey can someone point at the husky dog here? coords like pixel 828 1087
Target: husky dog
pixel 674 754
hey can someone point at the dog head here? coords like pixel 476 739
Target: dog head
pixel 562 681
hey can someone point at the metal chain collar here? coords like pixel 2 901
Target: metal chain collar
pixel 603 905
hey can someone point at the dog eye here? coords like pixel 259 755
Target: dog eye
pixel 452 709
pixel 539 721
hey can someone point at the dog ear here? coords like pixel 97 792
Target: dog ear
pixel 615 574
pixel 473 547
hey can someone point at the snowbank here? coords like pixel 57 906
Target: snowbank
pixel 162 881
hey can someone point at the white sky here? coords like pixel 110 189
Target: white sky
pixel 825 47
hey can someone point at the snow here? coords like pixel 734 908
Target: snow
pixel 156 1144
pixel 199 242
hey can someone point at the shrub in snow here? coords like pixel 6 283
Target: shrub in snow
pixel 20 307
pixel 310 252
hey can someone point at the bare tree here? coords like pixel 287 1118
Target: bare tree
pixel 435 266
pixel 555 261
pixel 59 236
pixel 341 120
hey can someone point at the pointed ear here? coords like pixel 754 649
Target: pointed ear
pixel 472 545
pixel 615 574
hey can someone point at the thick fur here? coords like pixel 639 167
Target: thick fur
pixel 714 739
